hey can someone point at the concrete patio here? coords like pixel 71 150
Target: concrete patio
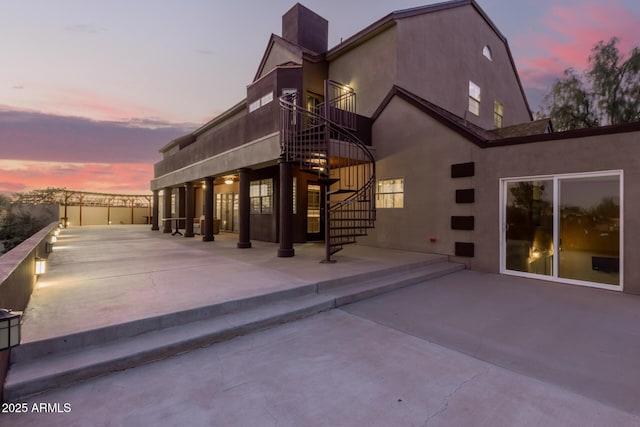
pixel 465 348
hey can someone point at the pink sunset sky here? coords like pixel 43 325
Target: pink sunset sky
pixel 89 91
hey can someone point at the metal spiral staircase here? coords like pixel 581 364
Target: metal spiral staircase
pixel 322 142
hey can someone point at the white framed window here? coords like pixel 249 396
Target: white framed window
pixel 264 100
pixel 566 228
pixel 474 98
pixel 498 113
pixel 390 193
pixel 261 196
pixel 254 106
pixel 486 51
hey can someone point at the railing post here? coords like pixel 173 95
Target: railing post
pixel 327 168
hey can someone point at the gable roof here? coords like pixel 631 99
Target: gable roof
pixel 488 139
pixel 391 19
pixel 298 51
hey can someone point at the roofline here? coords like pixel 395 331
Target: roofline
pixel 431 110
pixel 242 105
pixel 190 137
pixel 389 20
pixel 442 116
pixel 301 51
pixel 569 134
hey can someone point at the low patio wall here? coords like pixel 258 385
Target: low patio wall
pixel 18 279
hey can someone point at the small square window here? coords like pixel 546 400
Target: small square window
pixel 390 193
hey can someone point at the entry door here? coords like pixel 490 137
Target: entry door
pixel 315 212
pixel 228 211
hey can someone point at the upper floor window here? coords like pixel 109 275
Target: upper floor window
pixel 474 98
pixel 498 113
pixel 486 51
pixel 390 193
pixel 264 100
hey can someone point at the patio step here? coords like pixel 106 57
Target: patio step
pixel 48 364
pixel 347 293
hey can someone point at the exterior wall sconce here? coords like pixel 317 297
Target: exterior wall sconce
pixel 56 232
pixel 54 239
pixel 9 328
pixel 41 266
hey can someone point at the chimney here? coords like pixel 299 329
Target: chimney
pixel 305 28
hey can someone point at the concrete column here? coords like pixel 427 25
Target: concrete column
pixel 244 238
pixel 286 209
pixel 189 209
pixel 155 211
pixel 167 209
pixel 181 205
pixel 207 227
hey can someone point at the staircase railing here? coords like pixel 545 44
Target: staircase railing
pixel 322 142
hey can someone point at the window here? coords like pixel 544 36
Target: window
pixel 390 193
pixel 565 227
pixel 254 106
pixel 498 113
pixel 486 51
pixel 474 98
pixel 261 196
pixel 313 102
pixel 264 100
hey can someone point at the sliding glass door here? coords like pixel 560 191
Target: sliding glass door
pixel 564 227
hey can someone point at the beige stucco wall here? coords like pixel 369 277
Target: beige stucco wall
pixel 278 55
pixel 410 145
pixel 370 69
pixel 590 154
pixel 439 52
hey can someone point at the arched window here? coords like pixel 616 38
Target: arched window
pixel 486 51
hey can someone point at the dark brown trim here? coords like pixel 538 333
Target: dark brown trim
pixel 441 115
pixel 570 134
pixel 388 21
pixel 463 170
pixel 465 249
pixel 467 195
pixel 463 222
pixel 469 132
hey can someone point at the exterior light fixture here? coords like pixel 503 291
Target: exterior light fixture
pixel 54 239
pixel 9 328
pixel 228 181
pixel 41 266
pixel 56 232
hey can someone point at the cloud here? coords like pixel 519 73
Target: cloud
pixel 85 28
pixel 17 87
pixel 37 136
pixel 566 35
pixel 120 178
pixel 205 52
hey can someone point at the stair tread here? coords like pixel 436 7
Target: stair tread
pixel 59 369
pixel 359 290
pixel 130 351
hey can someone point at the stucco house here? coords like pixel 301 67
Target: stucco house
pixel 414 133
